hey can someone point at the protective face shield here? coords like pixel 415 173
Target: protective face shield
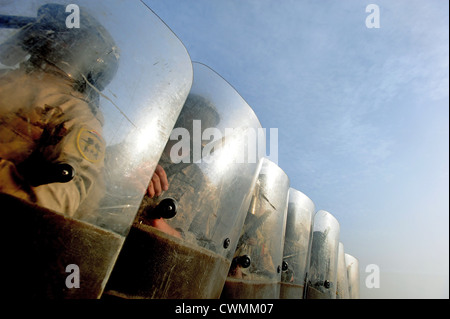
pixel 297 245
pixel 182 242
pixel 66 157
pixel 321 278
pixel 342 289
pixel 352 264
pixel 257 264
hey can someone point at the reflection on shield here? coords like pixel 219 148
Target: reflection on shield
pixel 342 288
pixel 257 264
pixel 321 279
pixel 352 265
pixel 297 245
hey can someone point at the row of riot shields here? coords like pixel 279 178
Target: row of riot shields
pixel 100 106
pixel 315 265
pixel 181 243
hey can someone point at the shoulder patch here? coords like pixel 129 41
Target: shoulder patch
pixel 91 145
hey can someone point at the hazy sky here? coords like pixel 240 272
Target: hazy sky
pixel 362 116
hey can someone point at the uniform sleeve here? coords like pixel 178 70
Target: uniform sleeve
pixel 73 137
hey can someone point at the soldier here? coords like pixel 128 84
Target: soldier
pixel 255 272
pixel 188 254
pixel 183 181
pixel 52 149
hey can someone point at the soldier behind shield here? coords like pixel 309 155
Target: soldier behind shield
pixel 51 141
pixel 182 181
pixel 253 243
pixel 179 182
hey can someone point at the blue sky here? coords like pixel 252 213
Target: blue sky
pixel 362 116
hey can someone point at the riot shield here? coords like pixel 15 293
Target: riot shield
pixel 321 278
pixel 352 265
pixel 182 242
pixel 297 245
pixel 342 289
pixel 255 272
pixel 89 94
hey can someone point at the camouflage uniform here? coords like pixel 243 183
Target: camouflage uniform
pixel 42 115
pixel 49 113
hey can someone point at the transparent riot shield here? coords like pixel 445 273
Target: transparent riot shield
pixel 182 242
pixel 255 272
pixel 342 289
pixel 352 265
pixel 321 278
pixel 89 94
pixel 297 245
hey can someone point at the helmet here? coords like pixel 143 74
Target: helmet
pixel 198 107
pixel 87 54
